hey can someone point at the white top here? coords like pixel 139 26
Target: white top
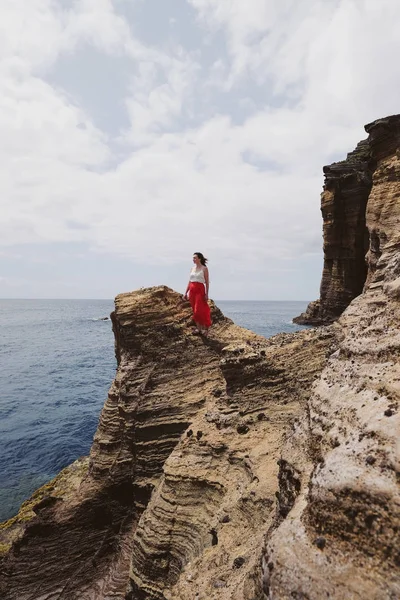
pixel 197 275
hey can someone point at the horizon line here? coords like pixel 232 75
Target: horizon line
pixel 112 299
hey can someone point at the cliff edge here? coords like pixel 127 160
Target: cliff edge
pixel 182 477
pixel 347 239
pixel 342 537
pixel 235 467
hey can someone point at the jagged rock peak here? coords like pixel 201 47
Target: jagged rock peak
pixel 356 160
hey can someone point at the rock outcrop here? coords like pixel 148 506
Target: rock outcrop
pixel 234 467
pixel 182 475
pixel 342 538
pixel 202 531
pixel 343 206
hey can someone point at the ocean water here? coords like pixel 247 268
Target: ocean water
pixel 56 364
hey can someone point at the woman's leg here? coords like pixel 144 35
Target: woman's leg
pixel 201 310
pixel 193 301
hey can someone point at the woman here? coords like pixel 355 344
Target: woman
pixel 197 288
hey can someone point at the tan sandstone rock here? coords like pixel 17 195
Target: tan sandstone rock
pixel 183 469
pixel 235 467
pixel 343 205
pixel 342 537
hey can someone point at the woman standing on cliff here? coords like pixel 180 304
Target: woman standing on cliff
pixel 197 288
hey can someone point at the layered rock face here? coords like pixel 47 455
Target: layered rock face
pixel 343 206
pixel 73 538
pixel 181 482
pixel 201 534
pixel 235 467
pixel 342 536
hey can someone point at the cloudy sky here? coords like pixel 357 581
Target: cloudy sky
pixel 135 132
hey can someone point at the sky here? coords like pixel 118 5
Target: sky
pixel 136 132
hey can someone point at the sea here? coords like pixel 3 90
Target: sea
pixel 57 362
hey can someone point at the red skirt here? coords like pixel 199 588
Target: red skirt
pixel 201 310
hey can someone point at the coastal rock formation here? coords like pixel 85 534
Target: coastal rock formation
pixel 342 537
pixel 203 528
pixel 183 462
pixel 343 206
pixel 235 467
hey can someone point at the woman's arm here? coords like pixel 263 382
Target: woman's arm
pixel 207 280
pixel 187 290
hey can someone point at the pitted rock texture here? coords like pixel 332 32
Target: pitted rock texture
pixel 201 534
pixel 183 467
pixel 341 539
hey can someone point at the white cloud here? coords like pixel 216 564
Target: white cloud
pixel 191 175
pixel 332 58
pixel 158 95
pixel 30 32
pixel 269 39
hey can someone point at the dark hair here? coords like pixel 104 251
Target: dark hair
pixel 202 258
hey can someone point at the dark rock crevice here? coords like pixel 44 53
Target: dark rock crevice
pixel 65 550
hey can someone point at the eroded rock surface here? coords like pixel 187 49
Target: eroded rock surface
pixel 201 534
pixel 342 537
pixel 182 475
pixel 235 467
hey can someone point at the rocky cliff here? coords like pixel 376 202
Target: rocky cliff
pixel 342 537
pixel 182 478
pixel 345 235
pixel 235 467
